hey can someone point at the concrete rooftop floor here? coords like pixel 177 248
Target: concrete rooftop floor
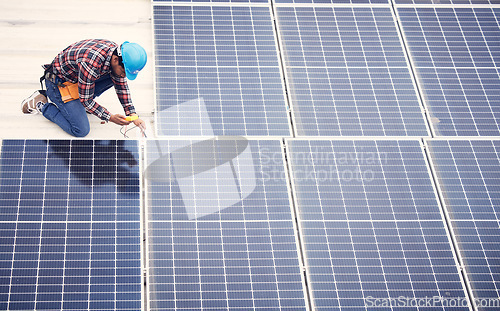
pixel 32 32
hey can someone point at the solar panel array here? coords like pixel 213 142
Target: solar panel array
pixel 70 228
pixel 373 229
pixel 310 155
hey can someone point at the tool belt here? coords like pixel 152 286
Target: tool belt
pixel 68 90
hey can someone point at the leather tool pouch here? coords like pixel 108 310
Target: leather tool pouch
pixel 69 91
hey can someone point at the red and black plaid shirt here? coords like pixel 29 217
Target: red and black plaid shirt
pixel 86 61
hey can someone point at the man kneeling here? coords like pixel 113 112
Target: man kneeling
pixel 79 74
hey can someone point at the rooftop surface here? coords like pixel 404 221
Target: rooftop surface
pixel 34 32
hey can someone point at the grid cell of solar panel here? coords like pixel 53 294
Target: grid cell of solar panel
pixel 55 180
pixel 358 265
pixel 371 225
pixel 355 102
pixel 221 234
pixel 71 225
pixel 340 36
pixel 70 266
pixel 205 36
pixel 228 57
pixel 468 174
pixel 347 73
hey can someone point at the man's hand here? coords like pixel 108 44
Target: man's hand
pixel 119 119
pixel 140 124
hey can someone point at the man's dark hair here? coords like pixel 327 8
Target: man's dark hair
pixel 120 60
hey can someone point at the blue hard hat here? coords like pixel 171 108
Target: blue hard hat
pixel 134 58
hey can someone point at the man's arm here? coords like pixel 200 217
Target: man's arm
pixel 86 87
pixel 123 93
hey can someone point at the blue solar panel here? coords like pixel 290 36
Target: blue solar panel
pixel 328 102
pixel 340 37
pixel 473 2
pixel 371 225
pixel 455 51
pixel 70 225
pixel 221 232
pixel 469 177
pixel 358 265
pixel 347 72
pixel 227 58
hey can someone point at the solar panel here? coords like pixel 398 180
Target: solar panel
pixel 333 1
pixel 220 230
pixel 70 225
pixel 448 2
pixel 468 175
pixel 348 73
pixel 371 226
pixel 225 56
pixel 456 57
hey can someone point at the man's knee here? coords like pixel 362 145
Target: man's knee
pixel 80 132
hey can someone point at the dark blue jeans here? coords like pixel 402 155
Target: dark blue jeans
pixel 71 116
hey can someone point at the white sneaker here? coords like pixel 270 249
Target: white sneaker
pixel 33 104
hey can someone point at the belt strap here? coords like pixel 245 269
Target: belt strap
pixel 48 75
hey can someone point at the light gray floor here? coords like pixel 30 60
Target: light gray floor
pixel 32 32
